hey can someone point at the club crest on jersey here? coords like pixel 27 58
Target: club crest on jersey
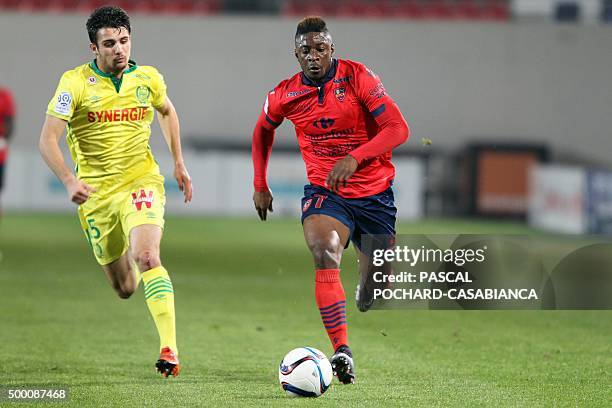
pixel 143 197
pixel 92 80
pixel 306 205
pixel 340 93
pixel 143 93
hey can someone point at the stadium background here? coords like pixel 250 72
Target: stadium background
pixel 515 97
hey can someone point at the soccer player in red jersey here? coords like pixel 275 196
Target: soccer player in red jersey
pixel 346 126
pixel 7 115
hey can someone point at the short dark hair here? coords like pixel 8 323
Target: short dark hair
pixel 311 24
pixel 106 17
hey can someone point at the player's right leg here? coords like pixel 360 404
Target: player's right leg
pixel 100 222
pixel 122 276
pixel 326 236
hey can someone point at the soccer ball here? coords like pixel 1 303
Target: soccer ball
pixel 305 372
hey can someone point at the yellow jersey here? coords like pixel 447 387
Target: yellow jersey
pixel 109 121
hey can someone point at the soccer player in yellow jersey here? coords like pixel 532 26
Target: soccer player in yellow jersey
pixel 107 106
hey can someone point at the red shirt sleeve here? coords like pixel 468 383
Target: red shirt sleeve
pixel 393 129
pixel 263 138
pixel 272 109
pixel 7 107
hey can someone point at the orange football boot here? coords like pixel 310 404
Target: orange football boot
pixel 168 363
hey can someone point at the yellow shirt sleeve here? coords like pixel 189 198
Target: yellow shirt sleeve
pixel 67 97
pixel 159 90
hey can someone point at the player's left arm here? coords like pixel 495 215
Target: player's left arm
pixel 169 123
pixel 270 118
pixel 393 129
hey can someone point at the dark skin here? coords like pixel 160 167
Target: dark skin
pixel 314 52
pixel 325 236
pixel 8 126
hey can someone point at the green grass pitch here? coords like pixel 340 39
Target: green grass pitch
pixel 244 297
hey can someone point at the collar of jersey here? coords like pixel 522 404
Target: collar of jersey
pixel 116 81
pixel 331 73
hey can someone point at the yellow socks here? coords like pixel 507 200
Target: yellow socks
pixel 159 296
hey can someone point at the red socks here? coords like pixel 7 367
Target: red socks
pixel 332 304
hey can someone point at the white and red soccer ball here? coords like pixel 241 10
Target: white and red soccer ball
pixel 305 372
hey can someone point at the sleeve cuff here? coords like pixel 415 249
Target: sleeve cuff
pixel 261 186
pixel 57 115
pixel 355 155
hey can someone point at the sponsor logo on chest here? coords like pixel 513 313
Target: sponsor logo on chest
pixel 118 115
pixel 293 94
pixel 323 123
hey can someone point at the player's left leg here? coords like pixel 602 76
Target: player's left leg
pixel 365 289
pixel 374 229
pixel 142 219
pixel 144 247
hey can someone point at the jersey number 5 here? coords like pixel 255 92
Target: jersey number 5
pixel 93 235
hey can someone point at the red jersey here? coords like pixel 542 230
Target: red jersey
pixel 7 109
pixel 336 117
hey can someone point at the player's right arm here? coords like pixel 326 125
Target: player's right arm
pixel 59 111
pixel 52 131
pixel 263 138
